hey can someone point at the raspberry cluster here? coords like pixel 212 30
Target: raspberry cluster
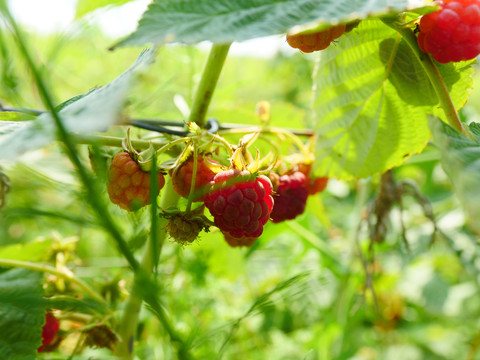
pixel 129 186
pixel 240 203
pixel 453 32
pixel 315 41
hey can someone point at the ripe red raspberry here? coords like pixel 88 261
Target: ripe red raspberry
pixel 315 41
pixel 240 203
pixel 129 186
pixel 182 177
pixel 317 185
pixel 314 185
pixel 49 330
pixel 291 197
pixel 242 241
pixel 453 32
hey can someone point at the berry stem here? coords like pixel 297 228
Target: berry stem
pixel 223 142
pixel 171 144
pixel 274 131
pixel 433 75
pixel 194 176
pixel 206 87
pixel 113 141
pixel 51 270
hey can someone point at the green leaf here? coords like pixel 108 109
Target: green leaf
pixel 22 314
pixel 224 21
pixel 461 161
pixel 372 100
pixel 70 303
pixel 15 116
pixel 95 111
pixel 86 6
pixel 34 251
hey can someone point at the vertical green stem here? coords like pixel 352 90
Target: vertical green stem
pixel 128 323
pixel 433 75
pixel 194 172
pixel 208 82
pixel 90 186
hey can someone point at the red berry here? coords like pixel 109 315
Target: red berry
pixel 315 41
pixel 49 330
pixel 182 177
pixel 242 241
pixel 129 186
pixel 314 185
pixel 453 32
pixel 317 185
pixel 240 203
pixel 291 197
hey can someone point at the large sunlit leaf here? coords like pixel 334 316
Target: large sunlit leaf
pixel 222 21
pixel 461 161
pixel 372 100
pixel 22 314
pixel 95 111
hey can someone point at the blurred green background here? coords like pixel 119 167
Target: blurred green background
pixel 426 303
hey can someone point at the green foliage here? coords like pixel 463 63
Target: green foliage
pixel 15 116
pixel 22 314
pixel 372 100
pixel 224 21
pixel 86 6
pixel 34 251
pixel 80 115
pixel 460 160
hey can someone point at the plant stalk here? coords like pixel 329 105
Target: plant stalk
pixel 433 75
pixel 206 87
pixel 128 323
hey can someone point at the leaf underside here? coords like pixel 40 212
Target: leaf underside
pixel 224 21
pixel 461 161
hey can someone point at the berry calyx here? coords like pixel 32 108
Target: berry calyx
pixel 128 185
pixel 290 198
pixel 49 330
pixel 315 41
pixel 182 177
pixel 453 32
pixel 240 203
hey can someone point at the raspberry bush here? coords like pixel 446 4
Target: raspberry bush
pixel 383 111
